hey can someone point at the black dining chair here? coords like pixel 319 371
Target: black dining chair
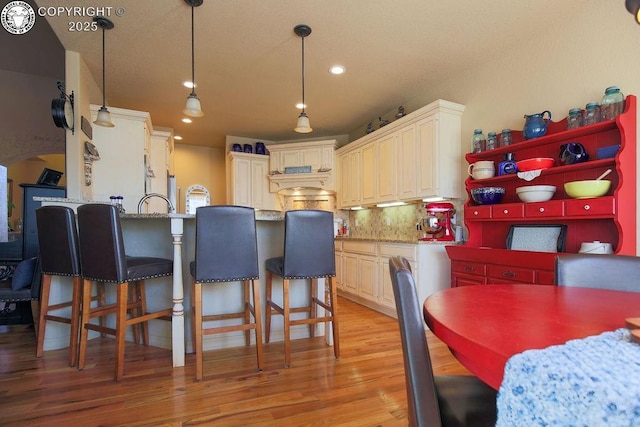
pixel 615 272
pixel 451 400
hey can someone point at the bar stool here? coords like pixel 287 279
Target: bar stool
pixel 308 254
pixel 103 259
pixel 226 251
pixel 58 246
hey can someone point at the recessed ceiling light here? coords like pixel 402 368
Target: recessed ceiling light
pixel 177 137
pixel 189 84
pixel 300 106
pixel 187 120
pixel 337 69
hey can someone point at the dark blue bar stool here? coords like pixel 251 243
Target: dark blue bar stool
pixel 226 251
pixel 308 254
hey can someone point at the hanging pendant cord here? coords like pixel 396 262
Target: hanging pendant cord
pixel 303 104
pixel 193 55
pixel 104 89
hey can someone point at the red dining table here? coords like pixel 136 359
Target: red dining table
pixel 484 325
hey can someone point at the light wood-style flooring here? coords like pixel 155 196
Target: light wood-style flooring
pixel 364 388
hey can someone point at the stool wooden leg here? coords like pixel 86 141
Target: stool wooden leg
pixel 122 300
pixel 142 300
pixel 313 307
pixel 76 301
pixel 85 319
pixel 247 310
pixel 269 311
pixel 197 301
pixel 45 291
pixel 102 300
pixel 287 320
pixel 334 316
pixel 258 319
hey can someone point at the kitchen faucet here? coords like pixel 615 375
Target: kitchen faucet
pixel 150 195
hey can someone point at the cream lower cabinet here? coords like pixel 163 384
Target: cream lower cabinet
pixel 249 184
pixel 365 272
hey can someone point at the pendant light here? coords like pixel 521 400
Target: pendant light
pixel 193 108
pixel 303 125
pixel 104 116
pixel 633 6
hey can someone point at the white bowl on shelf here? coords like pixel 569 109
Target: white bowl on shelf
pixel 535 193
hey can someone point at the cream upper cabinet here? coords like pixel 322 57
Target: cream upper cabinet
pixel 318 155
pixel 121 170
pixel 368 169
pixel 344 181
pixel 249 182
pixel 418 155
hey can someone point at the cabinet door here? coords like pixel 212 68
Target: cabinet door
pixel 386 287
pixel 289 158
pixel 464 280
pixel 338 279
pixel 387 165
pixel 350 269
pixel 427 165
pixel 260 184
pixel 369 167
pixel 241 172
pixel 344 180
pixel 355 178
pixel 407 163
pixel 368 281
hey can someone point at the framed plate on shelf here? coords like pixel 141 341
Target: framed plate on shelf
pixel 537 237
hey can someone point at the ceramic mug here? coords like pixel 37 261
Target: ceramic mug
pixel 482 169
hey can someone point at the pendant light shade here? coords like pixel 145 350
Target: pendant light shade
pixel 104 116
pixel 193 108
pixel 633 6
pixel 303 125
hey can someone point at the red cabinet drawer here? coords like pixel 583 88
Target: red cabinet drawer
pixel 545 277
pixel 477 212
pixel 544 209
pixel 587 207
pixel 507 211
pixel 468 267
pixel 464 280
pixel 506 273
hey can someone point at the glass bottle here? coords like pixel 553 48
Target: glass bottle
pixel 478 142
pixel 574 119
pixel 591 113
pixel 506 138
pixel 492 141
pixel 508 166
pixel 612 103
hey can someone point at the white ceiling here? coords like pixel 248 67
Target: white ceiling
pixel 248 58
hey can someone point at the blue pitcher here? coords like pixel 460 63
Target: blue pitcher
pixel 535 125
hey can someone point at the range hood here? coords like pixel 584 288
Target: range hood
pixel 302 165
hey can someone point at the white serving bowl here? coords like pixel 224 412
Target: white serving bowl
pixel 535 193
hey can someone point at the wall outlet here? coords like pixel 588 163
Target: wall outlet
pixel 357 223
pixel 387 220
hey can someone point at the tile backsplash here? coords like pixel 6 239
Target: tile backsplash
pixel 392 223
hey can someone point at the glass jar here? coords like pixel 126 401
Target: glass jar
pixel 591 114
pixel 574 119
pixel 492 141
pixel 612 103
pixel 506 138
pixel 478 142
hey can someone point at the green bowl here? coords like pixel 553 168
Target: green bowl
pixel 587 188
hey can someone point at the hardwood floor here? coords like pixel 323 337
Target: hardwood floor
pixel 364 388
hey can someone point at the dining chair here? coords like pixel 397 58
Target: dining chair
pixel 103 259
pixel 226 251
pixel 615 272
pixel 444 400
pixel 309 254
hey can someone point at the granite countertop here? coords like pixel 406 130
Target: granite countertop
pixel 383 240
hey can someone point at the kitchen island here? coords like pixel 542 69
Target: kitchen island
pixel 173 236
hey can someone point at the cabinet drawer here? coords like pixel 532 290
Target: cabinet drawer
pixel 477 212
pixel 506 273
pixel 545 209
pixel 507 211
pixel 337 245
pixel 406 251
pixel 468 267
pixel 464 280
pixel 597 206
pixel 545 277
pixel 366 248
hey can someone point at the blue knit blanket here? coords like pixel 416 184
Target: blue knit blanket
pixel 588 382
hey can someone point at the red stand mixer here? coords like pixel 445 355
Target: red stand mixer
pixel 437 223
